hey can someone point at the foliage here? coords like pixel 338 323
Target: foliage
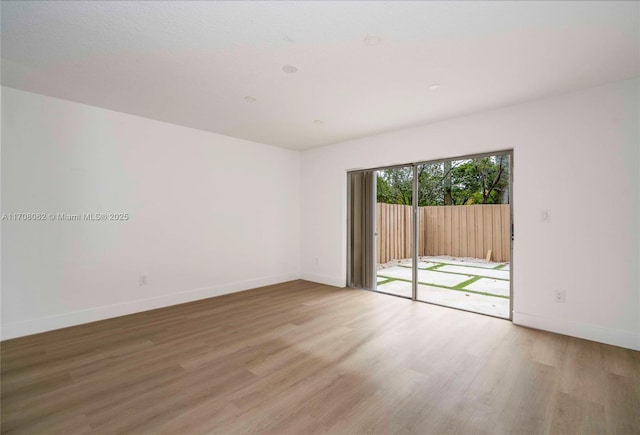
pixel 395 186
pixel 475 181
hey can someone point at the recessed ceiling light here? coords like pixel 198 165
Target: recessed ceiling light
pixel 372 40
pixel 249 99
pixel 435 87
pixel 290 69
pixel 318 122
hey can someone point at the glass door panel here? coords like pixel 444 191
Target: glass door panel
pixel 464 234
pixel 394 231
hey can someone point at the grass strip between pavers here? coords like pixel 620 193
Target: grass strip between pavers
pixel 463 284
pixel 440 264
pixel 435 268
pixel 469 281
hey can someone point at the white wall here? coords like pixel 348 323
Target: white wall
pixel 576 155
pixel 209 214
pixel 212 214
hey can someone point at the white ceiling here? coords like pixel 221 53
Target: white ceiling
pixel 193 63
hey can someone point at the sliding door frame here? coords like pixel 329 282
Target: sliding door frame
pixel 415 225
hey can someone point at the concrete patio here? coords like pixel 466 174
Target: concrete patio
pixel 466 283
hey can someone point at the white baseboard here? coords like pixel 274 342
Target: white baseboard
pixel 49 323
pixel 323 279
pixel 588 331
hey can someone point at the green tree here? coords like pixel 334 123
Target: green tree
pixel 395 186
pixel 473 181
pixel 430 186
pixel 481 181
pixel 466 189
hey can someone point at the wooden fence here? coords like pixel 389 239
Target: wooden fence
pixel 459 231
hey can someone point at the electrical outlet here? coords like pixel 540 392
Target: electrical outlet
pixel 143 280
pixel 559 296
pixel 317 261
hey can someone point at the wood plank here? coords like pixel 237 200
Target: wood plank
pixel 506 231
pixel 383 234
pixel 409 230
pixel 471 227
pixel 441 232
pixel 487 217
pixel 406 233
pixel 390 233
pixel 426 233
pixel 387 235
pixel 396 235
pixel 437 242
pixel 431 238
pixel 431 241
pixel 464 243
pixel 378 235
pixel 401 231
pixel 497 233
pixel 455 231
pixel 395 239
pixel 448 236
pixel 479 224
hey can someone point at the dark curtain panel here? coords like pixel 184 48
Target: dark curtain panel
pixel 362 241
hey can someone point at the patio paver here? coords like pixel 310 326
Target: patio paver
pixel 488 285
pixel 490 273
pixel 424 276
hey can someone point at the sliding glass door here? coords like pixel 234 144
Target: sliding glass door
pixel 437 232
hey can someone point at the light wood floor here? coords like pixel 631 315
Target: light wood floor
pixel 300 358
